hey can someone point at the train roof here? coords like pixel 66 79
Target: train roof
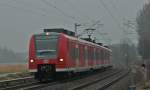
pixel 61 30
pixel 84 41
pixel 71 35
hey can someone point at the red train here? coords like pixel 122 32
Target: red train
pixel 58 51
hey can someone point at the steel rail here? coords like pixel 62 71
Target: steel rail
pixel 8 84
pixel 70 82
pixel 94 81
pixel 113 81
pixel 57 82
pixel 104 82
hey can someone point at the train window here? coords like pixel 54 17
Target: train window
pixel 94 54
pixel 71 51
pixel 46 48
pixel 81 55
pixel 70 54
pixel 74 52
pixel 90 54
pixel 102 55
pixel 107 55
pixel 86 54
pixel 110 55
pixel 99 55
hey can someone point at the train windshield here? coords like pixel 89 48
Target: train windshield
pixel 46 46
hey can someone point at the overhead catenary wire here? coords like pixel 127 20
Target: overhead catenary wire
pixel 125 49
pixel 96 23
pixel 21 5
pixel 115 8
pixel 101 34
pixel 78 10
pixel 39 9
pixel 42 10
pixel 72 8
pixel 20 8
pixel 89 26
pixel 110 13
pixel 59 10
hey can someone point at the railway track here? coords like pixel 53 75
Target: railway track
pixel 84 82
pixel 103 82
pixel 81 82
pixel 16 83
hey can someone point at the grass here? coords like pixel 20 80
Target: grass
pixel 21 70
pixel 13 68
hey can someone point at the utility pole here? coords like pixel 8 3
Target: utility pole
pixel 75 26
pixel 130 25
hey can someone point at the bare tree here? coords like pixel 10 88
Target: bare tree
pixel 143 29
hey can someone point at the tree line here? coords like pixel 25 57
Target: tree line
pixel 143 29
pixel 9 56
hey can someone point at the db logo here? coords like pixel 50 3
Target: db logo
pixel 45 61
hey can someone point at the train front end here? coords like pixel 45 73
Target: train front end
pixel 44 55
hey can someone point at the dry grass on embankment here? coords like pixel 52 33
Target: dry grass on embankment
pixel 13 68
pixel 13 71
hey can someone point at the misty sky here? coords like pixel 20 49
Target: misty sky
pixel 19 19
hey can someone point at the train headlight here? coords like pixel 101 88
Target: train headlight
pixel 31 60
pixel 61 60
pixel 47 33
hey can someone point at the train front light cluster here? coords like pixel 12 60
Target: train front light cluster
pixel 61 60
pixel 31 60
pixel 47 33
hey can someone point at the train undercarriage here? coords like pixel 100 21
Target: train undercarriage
pixel 47 72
